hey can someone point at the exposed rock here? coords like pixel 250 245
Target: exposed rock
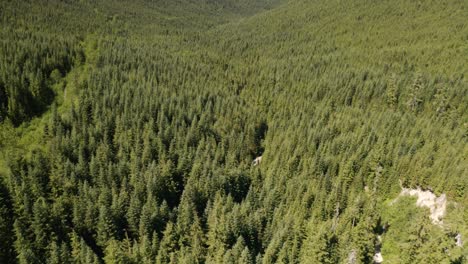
pixel 352 257
pixel 458 239
pixel 378 258
pixel 257 161
pixel 436 205
pixel 378 255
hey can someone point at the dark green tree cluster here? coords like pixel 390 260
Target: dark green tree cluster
pixel 31 63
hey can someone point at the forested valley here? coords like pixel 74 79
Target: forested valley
pixel 233 131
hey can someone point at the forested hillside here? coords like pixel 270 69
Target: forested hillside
pixel 128 131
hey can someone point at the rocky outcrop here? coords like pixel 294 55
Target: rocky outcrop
pixel 352 257
pixel 436 205
pixel 378 258
pixel 458 240
pixel 378 254
pixel 257 161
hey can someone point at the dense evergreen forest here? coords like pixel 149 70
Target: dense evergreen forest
pixel 128 131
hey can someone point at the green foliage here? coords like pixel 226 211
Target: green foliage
pixel 7 253
pixel 412 238
pixel 30 64
pixel 128 130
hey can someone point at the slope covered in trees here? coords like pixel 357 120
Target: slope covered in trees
pixel 128 130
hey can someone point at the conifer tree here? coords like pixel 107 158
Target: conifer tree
pixel 392 90
pixel 6 227
pixel 415 90
pixel 441 104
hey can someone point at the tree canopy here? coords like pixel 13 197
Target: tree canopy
pixel 128 130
